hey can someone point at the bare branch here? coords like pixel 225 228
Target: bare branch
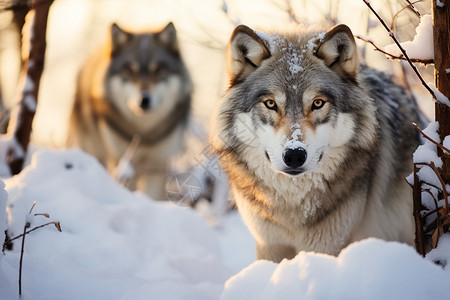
pixel 391 56
pixel 391 34
pixel 430 139
pixel 412 7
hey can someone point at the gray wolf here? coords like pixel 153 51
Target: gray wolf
pixel 134 85
pixel 315 145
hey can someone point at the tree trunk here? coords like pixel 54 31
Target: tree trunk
pixel 441 32
pixel 20 125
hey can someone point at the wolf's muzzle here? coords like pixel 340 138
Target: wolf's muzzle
pixel 294 158
pixel 145 101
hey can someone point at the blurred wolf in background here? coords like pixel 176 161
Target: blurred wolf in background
pixel 136 85
pixel 316 146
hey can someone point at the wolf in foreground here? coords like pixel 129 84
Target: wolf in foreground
pixel 316 146
pixel 136 85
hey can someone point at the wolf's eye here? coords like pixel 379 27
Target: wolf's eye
pixel 318 104
pixel 128 71
pixel 270 104
pixel 160 70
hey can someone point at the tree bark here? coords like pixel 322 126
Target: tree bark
pixel 21 122
pixel 441 37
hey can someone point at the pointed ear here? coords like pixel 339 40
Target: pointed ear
pixel 338 50
pixel 246 52
pixel 168 37
pixel 119 38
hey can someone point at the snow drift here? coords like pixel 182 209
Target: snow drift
pixel 116 244
pixel 372 269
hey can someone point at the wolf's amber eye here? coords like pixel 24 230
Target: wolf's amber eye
pixel 318 104
pixel 270 104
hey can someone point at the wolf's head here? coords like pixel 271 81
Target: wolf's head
pixel 294 100
pixel 145 69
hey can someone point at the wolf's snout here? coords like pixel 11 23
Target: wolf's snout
pixel 294 158
pixel 145 101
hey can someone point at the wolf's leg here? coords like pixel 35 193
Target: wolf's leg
pixel 275 253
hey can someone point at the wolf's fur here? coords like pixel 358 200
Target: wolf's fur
pixel 135 85
pixel 345 180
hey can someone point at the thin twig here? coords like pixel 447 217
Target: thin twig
pixel 438 230
pixel 57 225
pixel 447 151
pixel 431 185
pixel 391 34
pixel 444 190
pixel 410 6
pixel 413 8
pixel 417 60
pixel 27 225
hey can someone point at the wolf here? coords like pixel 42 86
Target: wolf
pixel 316 145
pixel 136 85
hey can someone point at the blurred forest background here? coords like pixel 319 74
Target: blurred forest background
pixel 77 27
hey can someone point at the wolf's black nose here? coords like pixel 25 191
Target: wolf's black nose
pixel 145 101
pixel 294 158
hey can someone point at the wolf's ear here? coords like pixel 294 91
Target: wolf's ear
pixel 168 37
pixel 338 50
pixel 246 52
pixel 119 38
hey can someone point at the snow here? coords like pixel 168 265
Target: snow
pixel 30 102
pixel 441 254
pixel 3 221
pixel 116 244
pixel 293 142
pixel 271 39
pixel 439 96
pixel 421 47
pixel 7 143
pixel 29 85
pixel 372 269
pixel 446 142
pixel 426 153
pixel 440 4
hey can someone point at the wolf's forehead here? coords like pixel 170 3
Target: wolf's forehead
pixel 292 50
pixel 292 58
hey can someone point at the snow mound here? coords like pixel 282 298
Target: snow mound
pixel 370 269
pixel 114 244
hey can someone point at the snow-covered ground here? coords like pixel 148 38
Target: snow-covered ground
pixel 116 244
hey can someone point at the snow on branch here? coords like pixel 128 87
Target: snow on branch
pixel 402 50
pixel 432 214
pixel 394 56
pixel 421 47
